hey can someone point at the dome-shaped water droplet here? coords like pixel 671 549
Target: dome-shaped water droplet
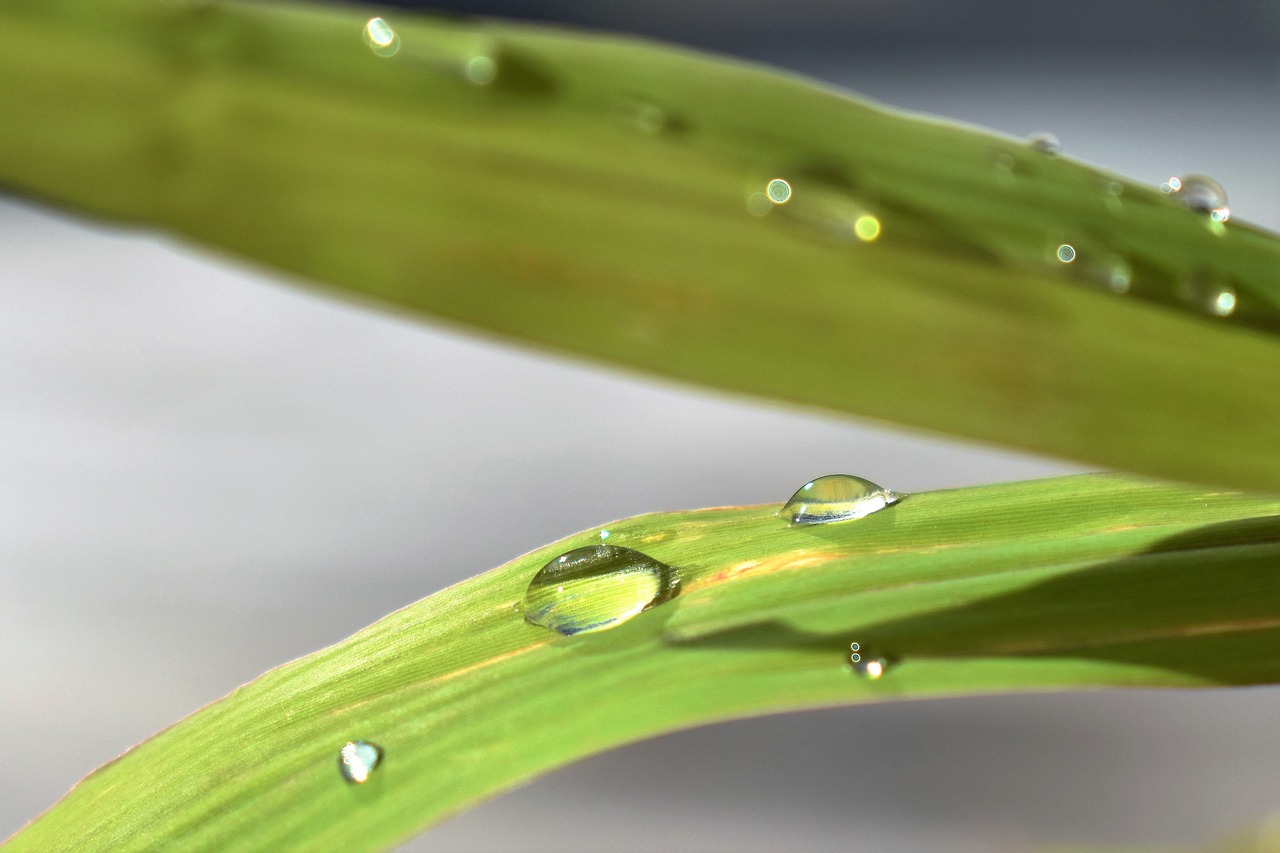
pixel 1045 143
pixel 381 39
pixel 836 497
pixel 358 759
pixel 596 588
pixel 778 191
pixel 1202 193
pixel 1066 253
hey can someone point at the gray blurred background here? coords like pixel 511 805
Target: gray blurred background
pixel 206 470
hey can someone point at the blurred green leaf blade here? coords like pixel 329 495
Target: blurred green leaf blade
pixel 596 196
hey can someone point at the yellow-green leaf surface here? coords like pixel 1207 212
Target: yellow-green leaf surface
pixel 1089 581
pixel 600 195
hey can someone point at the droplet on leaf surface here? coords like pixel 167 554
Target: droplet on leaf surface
pixel 358 759
pixel 836 497
pixel 596 588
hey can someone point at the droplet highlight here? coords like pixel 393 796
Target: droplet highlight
pixel 1200 193
pixel 778 191
pixel 1066 253
pixel 870 667
pixel 836 497
pixel 1045 143
pixel 596 588
pixel 381 38
pixel 358 759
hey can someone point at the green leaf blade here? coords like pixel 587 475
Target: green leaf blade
pixel 1082 582
pixel 538 208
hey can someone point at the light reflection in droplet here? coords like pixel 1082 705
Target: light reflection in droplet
pixel 1066 253
pixel 1224 304
pixel 381 39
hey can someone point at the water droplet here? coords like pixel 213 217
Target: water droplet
pixel 1045 143
pixel 1114 272
pixel 381 39
pixel 358 759
pixel 836 497
pixel 604 534
pixel 1066 253
pixel 1202 193
pixel 870 668
pixel 1207 292
pixel 779 191
pixel 596 588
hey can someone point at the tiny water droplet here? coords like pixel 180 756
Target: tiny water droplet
pixel 836 497
pixel 1202 193
pixel 1066 253
pixel 358 759
pixel 1045 143
pixel 381 39
pixel 604 534
pixel 779 191
pixel 596 588
pixel 870 668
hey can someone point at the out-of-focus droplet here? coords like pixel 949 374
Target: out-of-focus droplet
pixel 1066 253
pixel 481 69
pixel 1045 143
pixel 836 497
pixel 1114 272
pixel 866 227
pixel 381 39
pixel 778 191
pixel 758 204
pixel 358 759
pixel 1207 292
pixel 1201 193
pixel 870 667
pixel 596 588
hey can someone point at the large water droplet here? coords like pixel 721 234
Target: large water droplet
pixel 1202 193
pixel 358 759
pixel 381 39
pixel 596 588
pixel 1066 253
pixel 1045 143
pixel 836 497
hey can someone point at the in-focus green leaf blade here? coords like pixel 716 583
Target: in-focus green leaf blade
pixel 550 206
pixel 1078 582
